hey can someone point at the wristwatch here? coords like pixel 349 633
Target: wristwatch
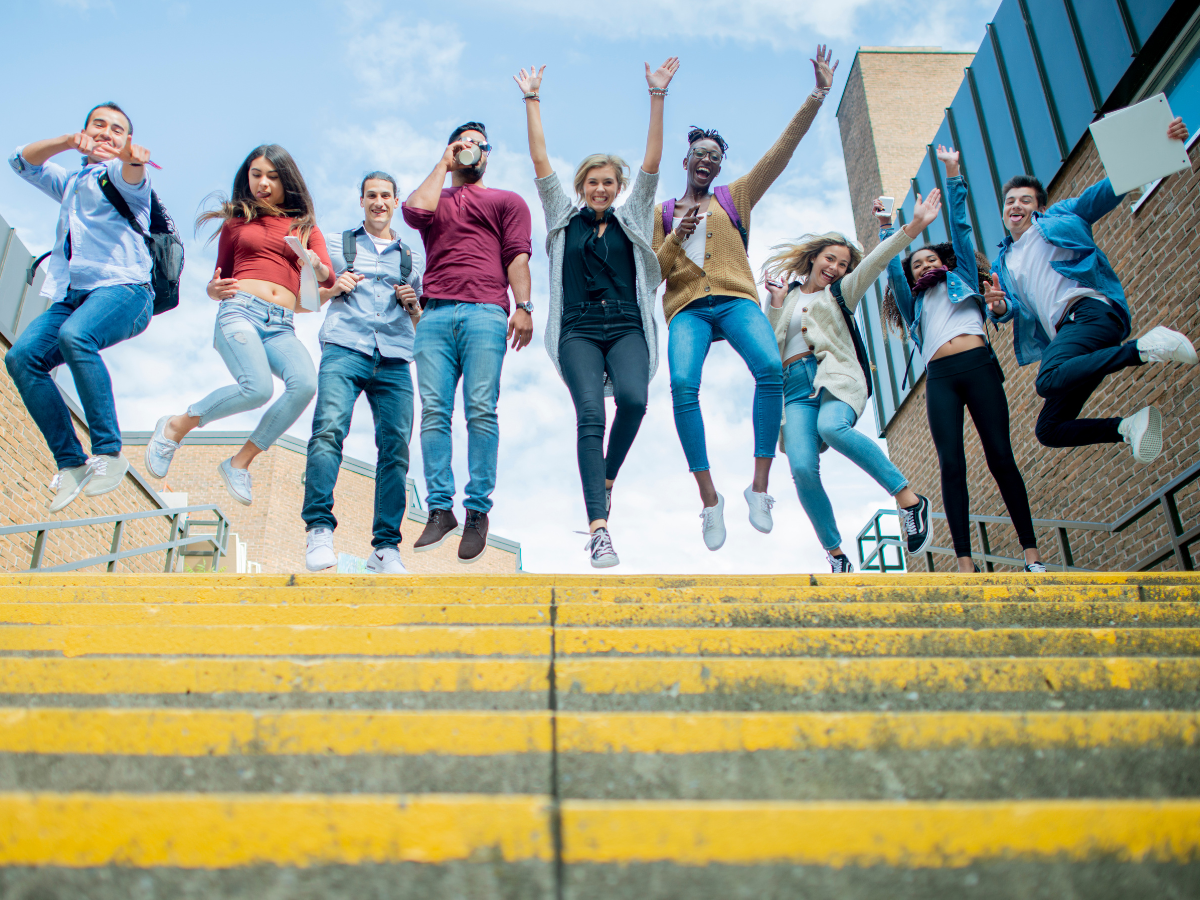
pixel 527 306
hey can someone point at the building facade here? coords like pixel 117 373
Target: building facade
pixel 1045 71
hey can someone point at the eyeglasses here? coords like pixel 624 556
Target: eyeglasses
pixel 485 147
pixel 714 155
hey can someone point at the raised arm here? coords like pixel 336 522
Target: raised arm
pixel 960 225
pixel 429 192
pixel 895 269
pixel 658 81
pixel 530 84
pixel 754 184
pixel 856 283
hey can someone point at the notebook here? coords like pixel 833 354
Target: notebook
pixel 1134 146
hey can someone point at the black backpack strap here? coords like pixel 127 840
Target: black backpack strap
pixel 860 348
pixel 405 262
pixel 114 197
pixel 349 248
pixel 908 367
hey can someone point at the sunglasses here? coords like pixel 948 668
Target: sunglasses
pixel 486 148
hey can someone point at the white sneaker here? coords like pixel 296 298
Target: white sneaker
pixel 600 549
pixel 386 561
pixel 237 482
pixel 714 524
pixel 319 553
pixel 760 509
pixel 160 450
pixel 1161 344
pixel 1143 432
pixel 107 474
pixel 69 484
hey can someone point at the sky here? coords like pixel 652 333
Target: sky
pixel 348 87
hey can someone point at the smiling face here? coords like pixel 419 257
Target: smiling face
pixel 265 183
pixel 831 263
pixel 1020 203
pixel 923 261
pixel 601 187
pixel 703 164
pixel 378 202
pixel 108 128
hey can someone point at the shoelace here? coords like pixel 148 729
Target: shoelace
pixel 472 520
pixel 709 515
pixel 768 501
pixel 56 481
pixel 908 518
pixel 599 542
pixel 98 464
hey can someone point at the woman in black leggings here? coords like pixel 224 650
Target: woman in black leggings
pixel 935 293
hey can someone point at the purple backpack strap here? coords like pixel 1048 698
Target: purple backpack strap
pixel 668 216
pixel 725 199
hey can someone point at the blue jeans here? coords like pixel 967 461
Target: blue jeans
pixel 74 331
pixel 692 332
pixel 812 420
pixel 387 382
pixel 256 339
pixel 460 341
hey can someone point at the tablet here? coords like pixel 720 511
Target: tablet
pixel 1134 146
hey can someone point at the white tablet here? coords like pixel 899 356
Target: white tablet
pixel 1134 146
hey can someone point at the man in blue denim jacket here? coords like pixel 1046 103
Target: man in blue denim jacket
pixel 366 347
pixel 1069 311
pixel 98 278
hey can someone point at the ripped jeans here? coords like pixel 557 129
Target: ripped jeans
pixel 256 339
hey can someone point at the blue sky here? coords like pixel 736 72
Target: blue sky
pixel 353 86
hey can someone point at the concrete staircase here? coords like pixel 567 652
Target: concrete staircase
pixel 570 738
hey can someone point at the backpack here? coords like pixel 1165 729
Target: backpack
pixel 860 349
pixel 724 200
pixel 166 249
pixel 350 250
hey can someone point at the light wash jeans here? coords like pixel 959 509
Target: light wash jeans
pixel 74 331
pixel 693 330
pixel 460 341
pixel 345 374
pixel 256 339
pixel 811 420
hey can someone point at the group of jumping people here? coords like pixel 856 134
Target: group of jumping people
pixel 448 309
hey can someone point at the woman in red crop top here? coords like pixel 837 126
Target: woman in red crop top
pixel 258 298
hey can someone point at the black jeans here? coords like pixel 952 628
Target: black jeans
pixel 972 380
pixel 600 337
pixel 1086 349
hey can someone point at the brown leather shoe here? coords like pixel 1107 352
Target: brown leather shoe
pixel 438 527
pixel 474 539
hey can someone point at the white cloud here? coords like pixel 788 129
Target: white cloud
pixel 398 59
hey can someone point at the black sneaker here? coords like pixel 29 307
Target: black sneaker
pixel 840 564
pixel 474 537
pixel 439 526
pixel 915 522
pixel 1037 568
pixel 600 549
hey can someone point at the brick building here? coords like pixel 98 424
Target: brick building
pixel 1044 72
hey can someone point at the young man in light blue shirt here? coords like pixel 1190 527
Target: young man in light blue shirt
pixel 366 346
pixel 98 278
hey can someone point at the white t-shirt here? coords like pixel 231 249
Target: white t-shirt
pixel 942 320
pixel 379 242
pixel 796 343
pixel 1039 284
pixel 694 245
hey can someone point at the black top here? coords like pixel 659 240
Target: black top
pixel 597 267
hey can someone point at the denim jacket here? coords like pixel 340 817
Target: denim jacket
pixel 1066 224
pixel 961 284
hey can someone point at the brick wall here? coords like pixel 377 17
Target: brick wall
pixel 1156 253
pixel 272 527
pixel 894 100
pixel 26 469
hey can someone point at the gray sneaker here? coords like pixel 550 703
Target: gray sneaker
pixel 107 474
pixel 69 484
pixel 161 450
pixel 237 482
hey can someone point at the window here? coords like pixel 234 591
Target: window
pixel 1033 113
pixel 1183 87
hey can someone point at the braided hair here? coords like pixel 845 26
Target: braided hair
pixel 711 134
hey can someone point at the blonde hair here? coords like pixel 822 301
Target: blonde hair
pixel 794 259
pixel 599 161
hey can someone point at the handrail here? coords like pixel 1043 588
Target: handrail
pixel 1163 499
pixel 179 537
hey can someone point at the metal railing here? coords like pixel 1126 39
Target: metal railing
pixel 180 538
pixel 1164 500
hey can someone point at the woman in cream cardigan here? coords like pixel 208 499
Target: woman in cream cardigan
pixel 600 333
pixel 824 386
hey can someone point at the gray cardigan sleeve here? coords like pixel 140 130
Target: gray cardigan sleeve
pixel 556 203
pixel 856 283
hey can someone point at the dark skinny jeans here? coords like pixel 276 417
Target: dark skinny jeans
pixel 1086 350
pixel 971 380
pixel 599 337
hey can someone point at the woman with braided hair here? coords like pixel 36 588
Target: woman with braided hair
pixel 936 295
pixel 712 295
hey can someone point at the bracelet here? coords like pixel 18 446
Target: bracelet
pixel 531 95
pixel 658 92
pixel 820 93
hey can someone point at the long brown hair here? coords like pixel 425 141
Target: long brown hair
pixel 890 312
pixel 242 204
pixel 794 259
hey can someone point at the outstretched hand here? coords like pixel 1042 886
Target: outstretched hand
pixel 950 159
pixel 530 81
pixel 661 77
pixel 822 69
pixel 925 211
pixel 994 297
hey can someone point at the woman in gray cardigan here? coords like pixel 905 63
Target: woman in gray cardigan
pixel 601 334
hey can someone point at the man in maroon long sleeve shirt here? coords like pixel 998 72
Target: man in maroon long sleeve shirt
pixel 477 246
